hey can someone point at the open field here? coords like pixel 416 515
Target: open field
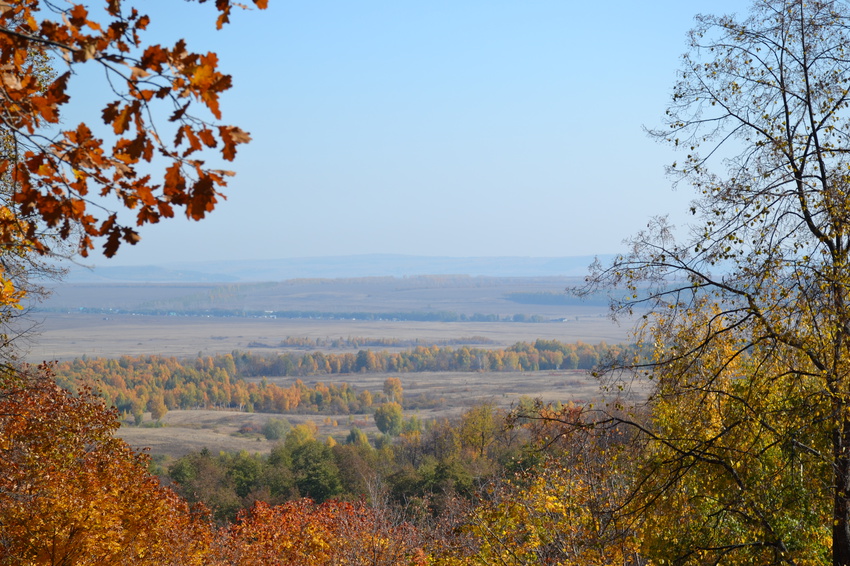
pixel 68 327
pixel 187 431
pixel 68 336
pixel 433 293
pixel 105 319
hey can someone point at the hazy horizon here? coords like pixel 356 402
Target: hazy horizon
pixel 330 267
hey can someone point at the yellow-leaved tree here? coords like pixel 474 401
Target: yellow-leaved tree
pixel 737 464
pixel 746 344
pixel 560 512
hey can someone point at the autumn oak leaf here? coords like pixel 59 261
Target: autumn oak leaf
pixel 231 136
pixel 53 174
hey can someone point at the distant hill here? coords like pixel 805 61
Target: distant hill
pixel 373 265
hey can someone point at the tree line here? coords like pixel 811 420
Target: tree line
pixel 237 381
pixel 355 342
pixel 414 316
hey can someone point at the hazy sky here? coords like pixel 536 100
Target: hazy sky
pixel 439 127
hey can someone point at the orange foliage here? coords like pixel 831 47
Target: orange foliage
pixel 52 173
pixel 202 382
pixel 335 532
pixel 72 493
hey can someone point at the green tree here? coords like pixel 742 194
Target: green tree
pixel 276 429
pixel 762 113
pixel 366 361
pixel 138 411
pixel 315 471
pixel 201 477
pixel 245 471
pixel 357 437
pixel 300 434
pixel 389 418
pixel 478 429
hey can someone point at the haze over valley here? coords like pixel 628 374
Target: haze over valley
pixel 119 314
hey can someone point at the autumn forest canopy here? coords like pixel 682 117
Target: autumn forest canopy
pixel 720 435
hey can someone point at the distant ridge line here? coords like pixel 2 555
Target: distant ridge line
pixel 367 265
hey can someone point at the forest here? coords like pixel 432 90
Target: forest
pixel 422 493
pixel 737 454
pixel 237 381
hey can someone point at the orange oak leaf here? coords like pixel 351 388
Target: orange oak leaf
pixel 51 172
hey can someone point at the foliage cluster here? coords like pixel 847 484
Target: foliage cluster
pixel 75 494
pixel 748 316
pixel 540 355
pixel 63 182
pixel 424 467
pixel 72 493
pixel 542 486
pixel 479 489
pixel 152 383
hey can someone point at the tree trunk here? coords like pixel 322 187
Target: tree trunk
pixel 841 511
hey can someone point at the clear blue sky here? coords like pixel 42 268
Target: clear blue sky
pixel 447 127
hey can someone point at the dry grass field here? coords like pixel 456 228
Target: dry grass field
pixel 187 431
pixel 61 336
pixel 66 327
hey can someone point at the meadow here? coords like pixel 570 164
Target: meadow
pixel 185 431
